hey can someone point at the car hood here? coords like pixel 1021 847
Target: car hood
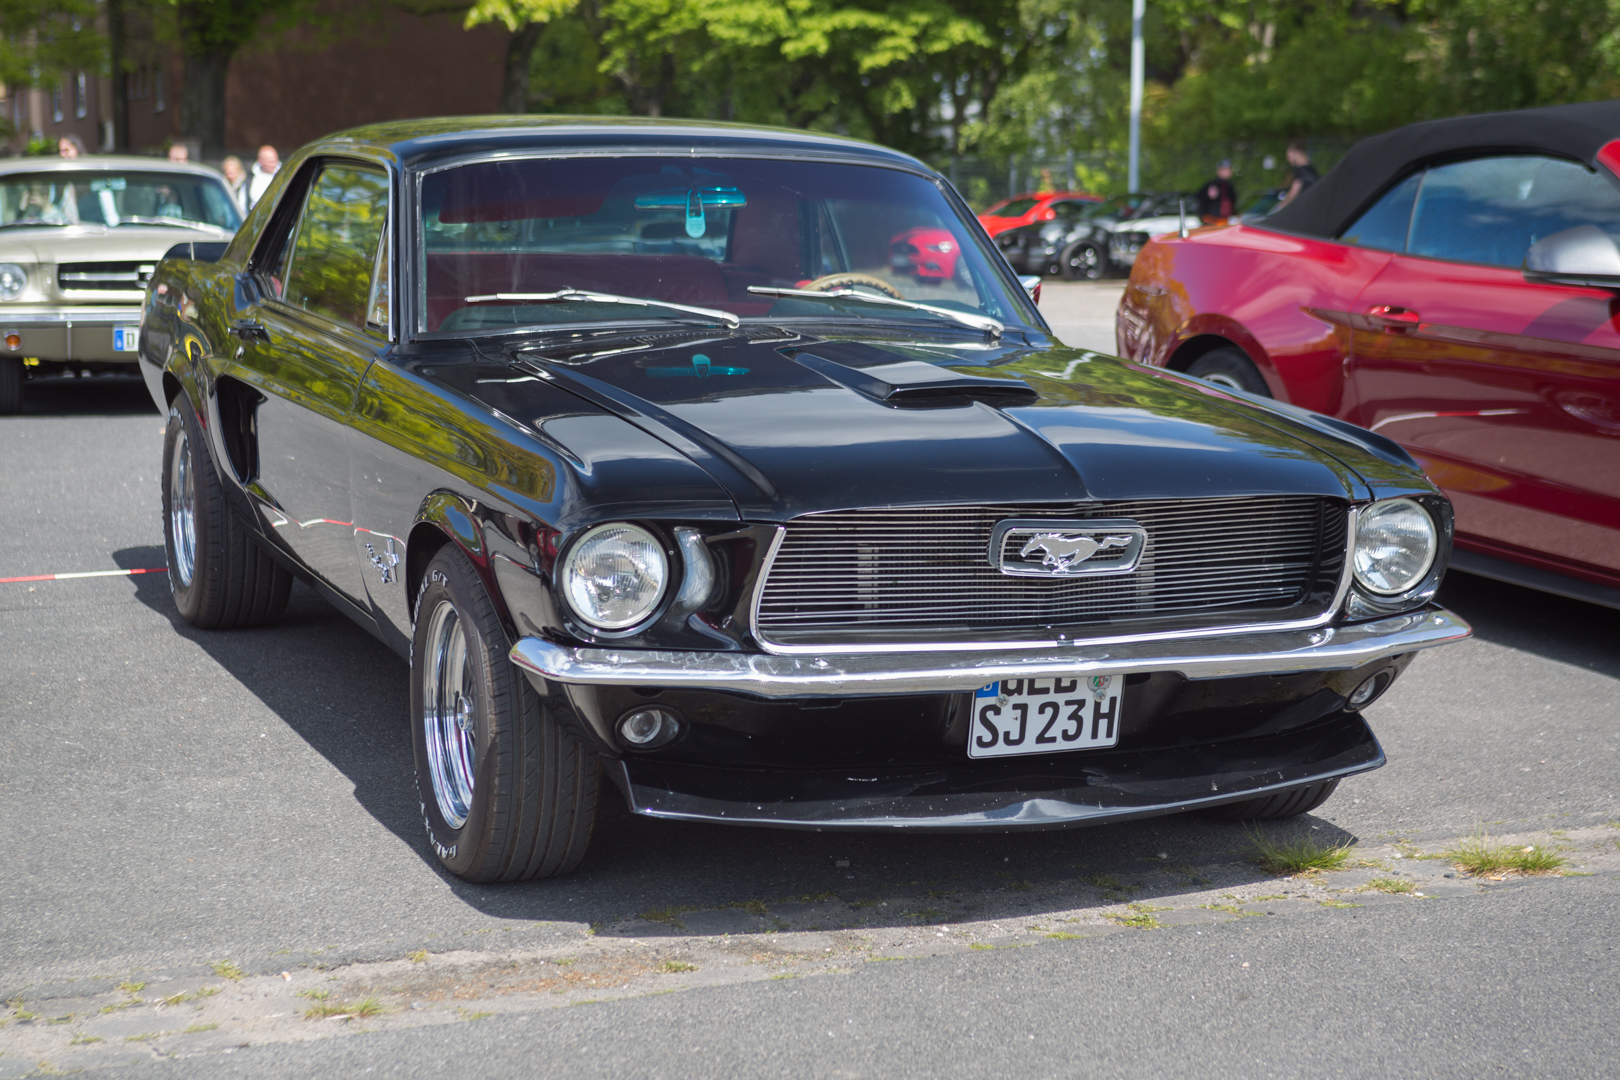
pixel 51 246
pixel 790 425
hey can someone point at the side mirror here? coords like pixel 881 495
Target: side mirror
pixel 1032 285
pixel 1584 255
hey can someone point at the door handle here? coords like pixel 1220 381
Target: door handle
pixel 250 330
pixel 1393 320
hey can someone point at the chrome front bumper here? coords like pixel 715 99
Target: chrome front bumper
pixel 834 675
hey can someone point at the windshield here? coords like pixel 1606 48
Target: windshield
pixel 106 197
pixel 694 232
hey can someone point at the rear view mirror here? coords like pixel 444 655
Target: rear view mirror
pixel 1584 255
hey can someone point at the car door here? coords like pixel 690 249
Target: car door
pixel 305 345
pixel 1507 390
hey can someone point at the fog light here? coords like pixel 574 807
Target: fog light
pixel 1370 689
pixel 13 340
pixel 648 729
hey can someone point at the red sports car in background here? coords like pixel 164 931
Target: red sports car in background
pixel 925 252
pixel 1455 286
pixel 1029 209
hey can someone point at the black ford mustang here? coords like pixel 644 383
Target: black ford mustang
pixel 655 454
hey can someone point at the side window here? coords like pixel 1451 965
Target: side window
pixel 1492 209
pixel 334 251
pixel 1385 223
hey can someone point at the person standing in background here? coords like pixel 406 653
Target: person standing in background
pixel 179 153
pixel 264 171
pixel 1217 201
pixel 1305 173
pixel 70 146
pixel 236 178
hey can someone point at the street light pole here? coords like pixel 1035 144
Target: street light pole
pixel 1138 61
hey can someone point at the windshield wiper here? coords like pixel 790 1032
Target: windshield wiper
pixel 993 327
pixel 585 296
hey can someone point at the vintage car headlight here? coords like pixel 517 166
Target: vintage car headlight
pixel 1396 543
pixel 615 575
pixel 13 281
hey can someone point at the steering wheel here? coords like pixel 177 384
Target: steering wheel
pixel 829 282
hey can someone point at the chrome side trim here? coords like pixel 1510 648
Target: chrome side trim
pixel 1274 652
pixel 59 317
pixel 1346 576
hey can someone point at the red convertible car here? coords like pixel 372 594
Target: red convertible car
pixel 1455 287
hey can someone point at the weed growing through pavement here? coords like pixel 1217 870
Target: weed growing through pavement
pixel 132 988
pixel 81 1039
pixel 344 1010
pixel 1389 885
pixel 1139 915
pixel 1232 908
pixel 1477 855
pixel 197 1029
pixel 1335 903
pixel 1064 935
pixel 417 957
pixel 753 907
pixel 669 916
pixel 1302 855
pixel 926 915
pixel 315 995
pixel 228 969
pixel 675 967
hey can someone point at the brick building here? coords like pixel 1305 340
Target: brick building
pixel 288 88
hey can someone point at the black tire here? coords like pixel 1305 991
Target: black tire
pixel 232 582
pixel 488 750
pixel 1284 804
pixel 1083 261
pixel 11 380
pixel 1231 367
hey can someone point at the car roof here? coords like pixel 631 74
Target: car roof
pixel 103 162
pixel 1374 164
pixel 414 143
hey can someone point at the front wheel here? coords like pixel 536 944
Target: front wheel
pixel 1284 804
pixel 507 792
pixel 1083 261
pixel 1230 366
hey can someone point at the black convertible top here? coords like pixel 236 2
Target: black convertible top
pixel 1377 162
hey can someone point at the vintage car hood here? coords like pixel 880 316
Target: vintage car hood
pixel 47 246
pixel 806 425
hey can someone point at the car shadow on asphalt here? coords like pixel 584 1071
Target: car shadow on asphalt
pixel 98 395
pixel 1552 627
pixel 346 695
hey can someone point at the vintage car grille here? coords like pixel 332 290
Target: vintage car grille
pixel 130 277
pixel 913 573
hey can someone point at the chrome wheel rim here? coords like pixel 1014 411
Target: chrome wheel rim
pixel 1086 262
pixel 1221 378
pixel 447 715
pixel 182 512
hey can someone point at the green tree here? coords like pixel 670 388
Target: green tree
pixel 42 42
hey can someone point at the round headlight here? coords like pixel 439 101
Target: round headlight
pixel 1395 546
pixel 615 576
pixel 13 281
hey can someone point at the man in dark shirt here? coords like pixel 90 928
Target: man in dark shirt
pixel 1305 173
pixel 1217 200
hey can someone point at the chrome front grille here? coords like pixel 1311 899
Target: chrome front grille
pixel 130 277
pixel 922 571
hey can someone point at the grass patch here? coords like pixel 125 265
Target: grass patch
pixel 228 969
pixel 1478 856
pixel 753 907
pixel 872 902
pixel 477 1015
pixel 926 914
pixel 1336 903
pixel 675 967
pixel 816 897
pixel 1064 935
pixel 196 1029
pixel 787 975
pixel 417 957
pixel 146 1036
pixel 81 1039
pixel 132 988
pixel 315 995
pixel 1302 855
pixel 346 1010
pixel 1232 908
pixel 1139 916
pixel 670 916
pixel 1104 881
pixel 1389 885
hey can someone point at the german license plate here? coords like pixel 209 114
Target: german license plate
pixel 1043 716
pixel 126 338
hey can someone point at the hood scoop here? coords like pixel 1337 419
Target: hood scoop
pixel 911 384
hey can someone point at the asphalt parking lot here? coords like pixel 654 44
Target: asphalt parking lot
pixel 196 812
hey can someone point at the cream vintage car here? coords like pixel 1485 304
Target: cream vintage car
pixel 79 239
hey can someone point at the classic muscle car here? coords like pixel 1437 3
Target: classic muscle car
pixel 633 439
pixel 1452 286
pixel 79 239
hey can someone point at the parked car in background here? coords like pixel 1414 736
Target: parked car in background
pixel 1076 242
pixel 1452 286
pixel 79 239
pixel 1030 209
pixel 657 466
pixel 1263 204
pixel 1167 213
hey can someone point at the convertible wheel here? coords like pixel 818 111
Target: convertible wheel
pixel 1284 804
pixel 507 792
pixel 1084 261
pixel 11 380
pixel 220 576
pixel 1231 367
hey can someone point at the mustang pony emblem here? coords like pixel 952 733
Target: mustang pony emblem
pixel 1063 550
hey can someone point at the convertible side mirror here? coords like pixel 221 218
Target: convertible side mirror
pixel 1584 255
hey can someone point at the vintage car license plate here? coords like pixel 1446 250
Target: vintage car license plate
pixel 126 338
pixel 1041 716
